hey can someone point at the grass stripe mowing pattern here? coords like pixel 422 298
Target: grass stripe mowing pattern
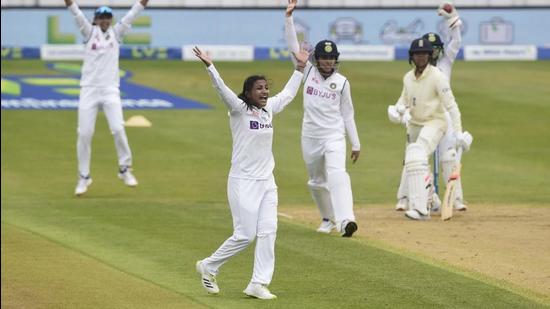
pixel 178 214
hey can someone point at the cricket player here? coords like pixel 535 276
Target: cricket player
pixel 427 95
pixel 328 116
pixel 251 188
pixel 443 59
pixel 100 88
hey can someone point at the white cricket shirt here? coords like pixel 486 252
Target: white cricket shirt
pixel 252 129
pixel 328 107
pixel 100 67
pixel 428 96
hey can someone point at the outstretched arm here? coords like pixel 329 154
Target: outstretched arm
pixel 455 26
pixel 229 98
pixel 125 24
pixel 283 98
pixel 84 25
pixel 290 32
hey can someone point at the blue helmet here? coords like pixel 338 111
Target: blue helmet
pixel 434 39
pixel 420 45
pixel 326 48
pixel 103 11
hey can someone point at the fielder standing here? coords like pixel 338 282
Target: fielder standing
pixel 443 59
pixel 100 88
pixel 251 188
pixel 328 116
pixel 427 95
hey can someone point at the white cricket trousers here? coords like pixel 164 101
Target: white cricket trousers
pixel 91 100
pixel 329 183
pixel 254 210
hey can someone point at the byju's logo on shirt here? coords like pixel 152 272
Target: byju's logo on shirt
pixel 323 94
pixel 254 125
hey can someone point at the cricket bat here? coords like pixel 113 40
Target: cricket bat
pixel 448 199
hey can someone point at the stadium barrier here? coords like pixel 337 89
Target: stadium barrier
pixel 250 53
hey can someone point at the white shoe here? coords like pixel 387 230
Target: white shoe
pixel 348 228
pixel 415 215
pixel 326 226
pixel 401 204
pixel 459 205
pixel 207 279
pixel 258 290
pixel 435 203
pixel 82 185
pixel 125 173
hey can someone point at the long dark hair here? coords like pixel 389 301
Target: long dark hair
pixel 247 87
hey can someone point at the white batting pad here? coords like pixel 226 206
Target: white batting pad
pixel 416 164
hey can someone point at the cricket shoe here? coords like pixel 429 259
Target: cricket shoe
pixel 415 215
pixel 258 290
pixel 82 186
pixel 326 226
pixel 348 228
pixel 435 203
pixel 125 174
pixel 459 205
pixel 207 279
pixel 401 204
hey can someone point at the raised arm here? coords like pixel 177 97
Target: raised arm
pixel 348 113
pixel 83 24
pixel 283 98
pixel 290 33
pixel 454 23
pixel 125 24
pixel 229 98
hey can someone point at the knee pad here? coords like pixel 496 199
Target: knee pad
pixel 415 158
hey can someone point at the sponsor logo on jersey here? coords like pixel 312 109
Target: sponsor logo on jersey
pixel 320 93
pixel 255 125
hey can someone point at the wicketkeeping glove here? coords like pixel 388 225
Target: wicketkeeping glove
pixel 452 18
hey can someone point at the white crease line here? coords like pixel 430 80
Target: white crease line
pixel 282 214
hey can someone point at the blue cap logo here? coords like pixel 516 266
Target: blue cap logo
pixel 103 10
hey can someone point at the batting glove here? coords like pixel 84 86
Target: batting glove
pixel 464 140
pixel 393 114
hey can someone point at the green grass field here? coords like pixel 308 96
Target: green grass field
pixel 117 247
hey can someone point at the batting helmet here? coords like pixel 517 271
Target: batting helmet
pixel 103 11
pixel 420 45
pixel 326 48
pixel 434 39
